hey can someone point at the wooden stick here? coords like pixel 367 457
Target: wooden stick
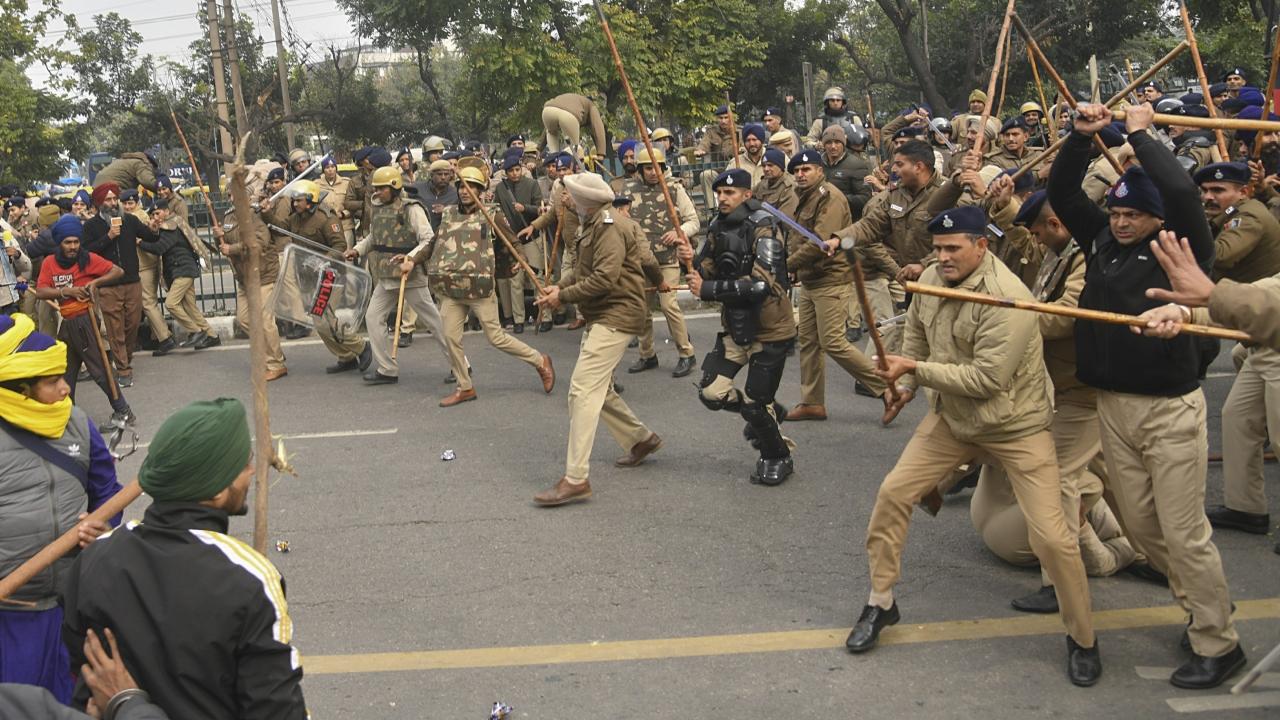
pixel 1128 69
pixel 395 341
pixel 1221 123
pixel 67 541
pixel 1062 87
pixel 555 241
pixel 871 125
pixel 94 316
pixel 1150 72
pixel 733 130
pixel 213 215
pixel 1101 316
pixel 484 212
pixel 1035 73
pixel 1270 94
pixel 1204 82
pixel 860 285
pixel 642 127
pixel 1004 79
pixel 991 84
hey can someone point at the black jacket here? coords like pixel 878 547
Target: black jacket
pixel 201 617
pixel 123 250
pixel 179 259
pixel 1111 357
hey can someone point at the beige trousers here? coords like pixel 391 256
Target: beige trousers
pixel 562 129
pixel 275 355
pixel 150 279
pixel 675 319
pixel 1250 416
pixel 181 304
pixel 383 303
pixel 1157 455
pixel 592 398
pixel 1030 461
pixel 453 315
pixel 823 312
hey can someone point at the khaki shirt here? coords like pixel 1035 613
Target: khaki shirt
pixel 1251 307
pixel 1060 282
pixel 901 223
pixel 715 145
pixel 823 210
pixel 1246 244
pixel 1008 160
pixel 609 278
pixel 780 193
pixel 334 195
pixel 754 167
pixel 985 364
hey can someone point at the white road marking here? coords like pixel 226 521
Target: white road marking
pixel 1208 703
pixel 1220 375
pixel 321 435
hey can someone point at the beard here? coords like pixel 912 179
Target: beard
pixel 110 212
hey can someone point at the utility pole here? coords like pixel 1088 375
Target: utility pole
pixel 284 75
pixel 233 60
pixel 219 84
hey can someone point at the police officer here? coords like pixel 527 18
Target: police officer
pixel 1246 245
pixel 299 161
pixel 520 198
pixel 1037 129
pixel 977 103
pixel 1194 147
pixel 835 111
pixel 334 194
pixel 776 187
pixel 234 243
pixel 1013 151
pixel 464 262
pixel 751 155
pixel 649 210
pixel 561 225
pixel 398 243
pixel 715 146
pixel 1007 419
pixel 743 267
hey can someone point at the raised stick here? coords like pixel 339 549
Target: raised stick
pixel 991 84
pixel 1035 72
pixel 395 341
pixel 1063 90
pixel 1151 71
pixel 67 541
pixel 475 197
pixel 733 130
pixel 642 127
pixel 1101 316
pixel 1221 123
pixel 213 215
pixel 871 124
pixel 860 285
pixel 1004 79
pixel 1204 82
pixel 1270 94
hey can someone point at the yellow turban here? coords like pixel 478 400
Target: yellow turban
pixel 26 354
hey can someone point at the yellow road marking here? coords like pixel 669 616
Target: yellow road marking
pixel 787 641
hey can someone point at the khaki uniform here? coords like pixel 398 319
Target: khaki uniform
pixel 461 272
pixel 613 267
pixel 400 227
pixel 716 146
pixel 1253 308
pixel 334 198
pixel 823 302
pixel 649 211
pixel 754 167
pixel 1246 244
pixel 1250 417
pixel 1015 245
pixel 562 118
pixel 268 272
pixel 357 202
pixel 325 229
pixel 780 193
pixel 1006 159
pixel 990 396
pixel 129 171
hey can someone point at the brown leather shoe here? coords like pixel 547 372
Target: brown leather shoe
pixel 459 396
pixel 640 451
pixel 577 324
pixel 804 411
pixel 276 374
pixel 547 373
pixel 564 493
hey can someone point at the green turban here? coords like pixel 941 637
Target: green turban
pixel 197 452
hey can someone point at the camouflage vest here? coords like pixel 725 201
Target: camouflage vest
pixel 649 210
pixel 462 263
pixel 390 234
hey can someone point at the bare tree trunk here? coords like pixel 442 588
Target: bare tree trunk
pixel 901 14
pixel 428 76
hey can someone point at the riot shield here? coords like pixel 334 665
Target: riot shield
pixel 315 288
pixel 8 280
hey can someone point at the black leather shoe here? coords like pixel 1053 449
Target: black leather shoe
pixel 343 366
pixel 643 364
pixel 366 357
pixel 1202 673
pixel 191 340
pixel 559 318
pixel 165 347
pixel 684 366
pixel 1084 665
pixel 853 335
pixel 544 326
pixel 406 339
pixel 1221 516
pixel 518 328
pixel 1044 600
pixel 863 390
pixel 1144 571
pixel 772 472
pixel 373 377
pixel 867 630
pixel 207 341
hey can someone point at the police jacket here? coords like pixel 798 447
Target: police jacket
pixel 42 500
pixel 1246 242
pixel 1112 357
pixel 128 171
pixel 201 617
pixel 172 246
pixel 612 269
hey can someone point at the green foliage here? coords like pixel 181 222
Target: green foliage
pixel 31 136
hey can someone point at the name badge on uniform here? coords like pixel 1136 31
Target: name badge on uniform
pixel 895 207
pixel 995 230
pixel 1230 210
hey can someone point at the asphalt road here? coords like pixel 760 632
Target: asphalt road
pixel 680 590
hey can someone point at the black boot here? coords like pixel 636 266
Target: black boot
pixel 343 366
pixel 1084 665
pixel 406 339
pixel 1202 673
pixel 1223 517
pixel 866 632
pixel 373 377
pixel 1044 600
pixel 642 364
pixel 544 326
pixel 684 366
pixel 773 471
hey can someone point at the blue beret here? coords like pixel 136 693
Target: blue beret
pixel 451 155
pixel 805 157
pixel 161 181
pixel 127 195
pixel 1023 182
pixel 1192 98
pixel 969 219
pixel 909 131
pixel 620 200
pixel 1232 71
pixel 753 129
pixel 1234 105
pixel 276 174
pixel 1031 207
pixel 733 177
pixel 722 110
pixel 1252 112
pixel 511 158
pixel 16 201
pixel 1153 85
pixel 1217 89
pixel 772 111
pixel 775 156
pixel 1135 190
pixel 1232 172
pixel 1111 137
pixel 379 157
pixel 514 138
pixel 564 160
pixel 67 226
pixel 361 154
pixel 1199 111
pixel 1017 121
pixel 626 145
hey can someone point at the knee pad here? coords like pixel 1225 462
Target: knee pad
pixel 732 404
pixel 764 372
